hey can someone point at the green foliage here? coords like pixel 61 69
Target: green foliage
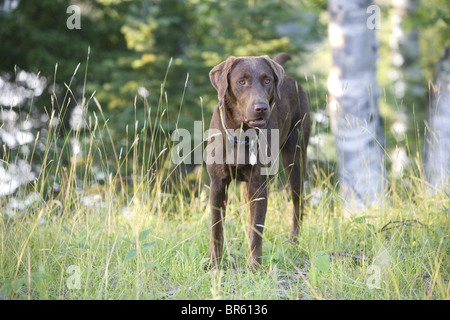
pixel 141 254
pixel 131 43
pixel 140 247
pixel 432 18
pixel 322 260
pixel 117 194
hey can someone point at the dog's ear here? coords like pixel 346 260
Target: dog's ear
pixel 278 73
pixel 219 76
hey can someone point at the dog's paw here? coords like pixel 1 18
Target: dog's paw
pixel 209 264
pixel 255 264
pixel 293 240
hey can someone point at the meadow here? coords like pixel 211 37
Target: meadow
pixel 125 224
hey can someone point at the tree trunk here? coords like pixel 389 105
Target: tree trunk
pixel 405 71
pixel 437 137
pixel 406 76
pixel 353 106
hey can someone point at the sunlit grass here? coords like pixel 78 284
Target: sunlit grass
pixel 141 231
pixel 131 250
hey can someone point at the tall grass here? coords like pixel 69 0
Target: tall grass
pixel 142 231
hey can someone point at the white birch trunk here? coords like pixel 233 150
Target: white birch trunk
pixel 437 138
pixel 406 76
pixel 353 106
pixel 405 72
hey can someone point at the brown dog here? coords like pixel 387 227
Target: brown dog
pixel 254 94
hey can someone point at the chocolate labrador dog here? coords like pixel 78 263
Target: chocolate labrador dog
pixel 255 96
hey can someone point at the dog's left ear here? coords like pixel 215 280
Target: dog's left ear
pixel 219 76
pixel 278 72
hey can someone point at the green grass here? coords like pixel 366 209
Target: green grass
pixel 144 233
pixel 142 242
pixel 145 255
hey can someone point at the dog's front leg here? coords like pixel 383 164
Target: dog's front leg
pixel 217 198
pixel 257 195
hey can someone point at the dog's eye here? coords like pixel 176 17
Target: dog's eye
pixel 242 82
pixel 267 81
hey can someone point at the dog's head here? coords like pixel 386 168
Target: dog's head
pixel 251 85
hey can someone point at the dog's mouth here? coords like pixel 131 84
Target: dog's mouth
pixel 256 123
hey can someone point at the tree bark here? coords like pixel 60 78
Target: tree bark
pixel 437 137
pixel 353 106
pixel 406 76
pixel 405 71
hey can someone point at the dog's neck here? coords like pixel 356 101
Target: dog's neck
pixel 229 136
pixel 251 143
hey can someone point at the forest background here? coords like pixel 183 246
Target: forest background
pixel 90 93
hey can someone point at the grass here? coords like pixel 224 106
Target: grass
pixel 134 234
pixel 132 252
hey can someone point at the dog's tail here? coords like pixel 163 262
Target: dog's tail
pixel 281 58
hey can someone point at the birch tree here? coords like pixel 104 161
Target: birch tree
pixel 406 76
pixel 404 44
pixel 353 107
pixel 437 137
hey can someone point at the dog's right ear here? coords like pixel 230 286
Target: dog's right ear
pixel 219 76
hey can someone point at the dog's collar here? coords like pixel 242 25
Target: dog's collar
pixel 247 141
pixel 230 137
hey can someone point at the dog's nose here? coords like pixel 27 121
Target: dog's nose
pixel 261 107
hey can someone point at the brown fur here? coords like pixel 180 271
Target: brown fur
pixel 254 92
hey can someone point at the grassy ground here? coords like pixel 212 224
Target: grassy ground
pixel 115 228
pixel 101 242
